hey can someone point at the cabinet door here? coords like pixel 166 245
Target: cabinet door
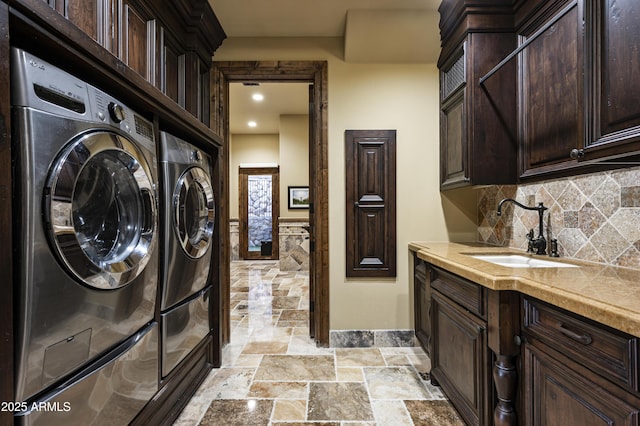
pixel 86 15
pixel 615 115
pixel 136 39
pixel 558 391
pixel 460 359
pixel 453 130
pixel 172 68
pixel 370 203
pixel 422 297
pixel 551 91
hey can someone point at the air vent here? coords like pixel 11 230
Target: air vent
pixel 453 78
pixel 250 83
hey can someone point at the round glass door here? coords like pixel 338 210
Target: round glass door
pixel 194 211
pixel 101 210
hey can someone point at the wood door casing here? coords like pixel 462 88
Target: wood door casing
pixel 244 213
pixel 315 72
pixel 370 160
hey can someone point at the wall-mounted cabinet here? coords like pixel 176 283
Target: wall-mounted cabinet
pixel 536 89
pixel 577 99
pixel 477 122
pixel 613 64
pixel 167 43
pixel 550 88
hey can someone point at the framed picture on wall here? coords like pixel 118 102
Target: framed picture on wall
pixel 298 197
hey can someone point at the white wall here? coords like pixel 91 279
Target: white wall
pixel 294 160
pixel 363 96
pixel 249 148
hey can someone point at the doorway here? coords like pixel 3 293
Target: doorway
pixel 315 73
pixel 259 207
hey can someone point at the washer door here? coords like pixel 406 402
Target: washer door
pixel 194 211
pixel 101 209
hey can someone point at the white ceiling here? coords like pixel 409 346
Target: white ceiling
pixel 279 99
pixel 375 31
pixel 300 18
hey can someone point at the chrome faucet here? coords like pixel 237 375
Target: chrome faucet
pixel 536 245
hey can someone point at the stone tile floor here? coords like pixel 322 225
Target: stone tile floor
pixel 273 374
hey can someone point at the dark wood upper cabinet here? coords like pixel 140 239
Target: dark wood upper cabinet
pixel 550 88
pixel 85 15
pixel 614 64
pixel 370 157
pixel 169 43
pixel 135 34
pixel 537 89
pixel 477 122
pixel 171 67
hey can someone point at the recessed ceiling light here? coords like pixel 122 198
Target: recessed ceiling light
pixel 252 124
pixel 257 97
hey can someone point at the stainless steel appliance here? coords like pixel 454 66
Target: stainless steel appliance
pixel 189 206
pixel 87 256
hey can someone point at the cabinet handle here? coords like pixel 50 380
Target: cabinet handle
pixel 585 339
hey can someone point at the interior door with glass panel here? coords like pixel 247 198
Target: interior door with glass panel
pixel 259 207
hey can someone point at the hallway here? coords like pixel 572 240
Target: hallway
pixel 273 374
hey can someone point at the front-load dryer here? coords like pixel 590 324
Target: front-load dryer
pixel 188 204
pixel 189 213
pixel 87 219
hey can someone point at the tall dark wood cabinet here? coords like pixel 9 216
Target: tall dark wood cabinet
pixel 477 122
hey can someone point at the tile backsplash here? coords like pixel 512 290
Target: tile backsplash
pixel 595 217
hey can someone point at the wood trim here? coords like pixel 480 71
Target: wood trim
pixel 275 211
pixel 6 254
pixel 285 220
pixel 219 119
pixel 315 72
pixel 177 389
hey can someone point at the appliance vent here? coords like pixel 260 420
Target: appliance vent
pixel 250 83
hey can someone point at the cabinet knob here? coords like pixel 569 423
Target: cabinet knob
pixel 517 340
pixel 576 153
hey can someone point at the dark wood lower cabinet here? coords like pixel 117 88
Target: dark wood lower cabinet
pixel 461 360
pixel 559 391
pixel 576 371
pixel 570 370
pixel 422 299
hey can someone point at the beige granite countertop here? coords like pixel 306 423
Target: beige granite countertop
pixel 605 294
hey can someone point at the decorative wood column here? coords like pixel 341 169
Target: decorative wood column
pixel 504 340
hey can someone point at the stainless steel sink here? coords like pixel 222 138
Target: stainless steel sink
pixel 520 261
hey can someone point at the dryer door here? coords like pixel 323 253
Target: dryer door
pixel 101 209
pixel 194 211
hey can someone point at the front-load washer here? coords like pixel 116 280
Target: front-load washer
pixel 86 214
pixel 188 204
